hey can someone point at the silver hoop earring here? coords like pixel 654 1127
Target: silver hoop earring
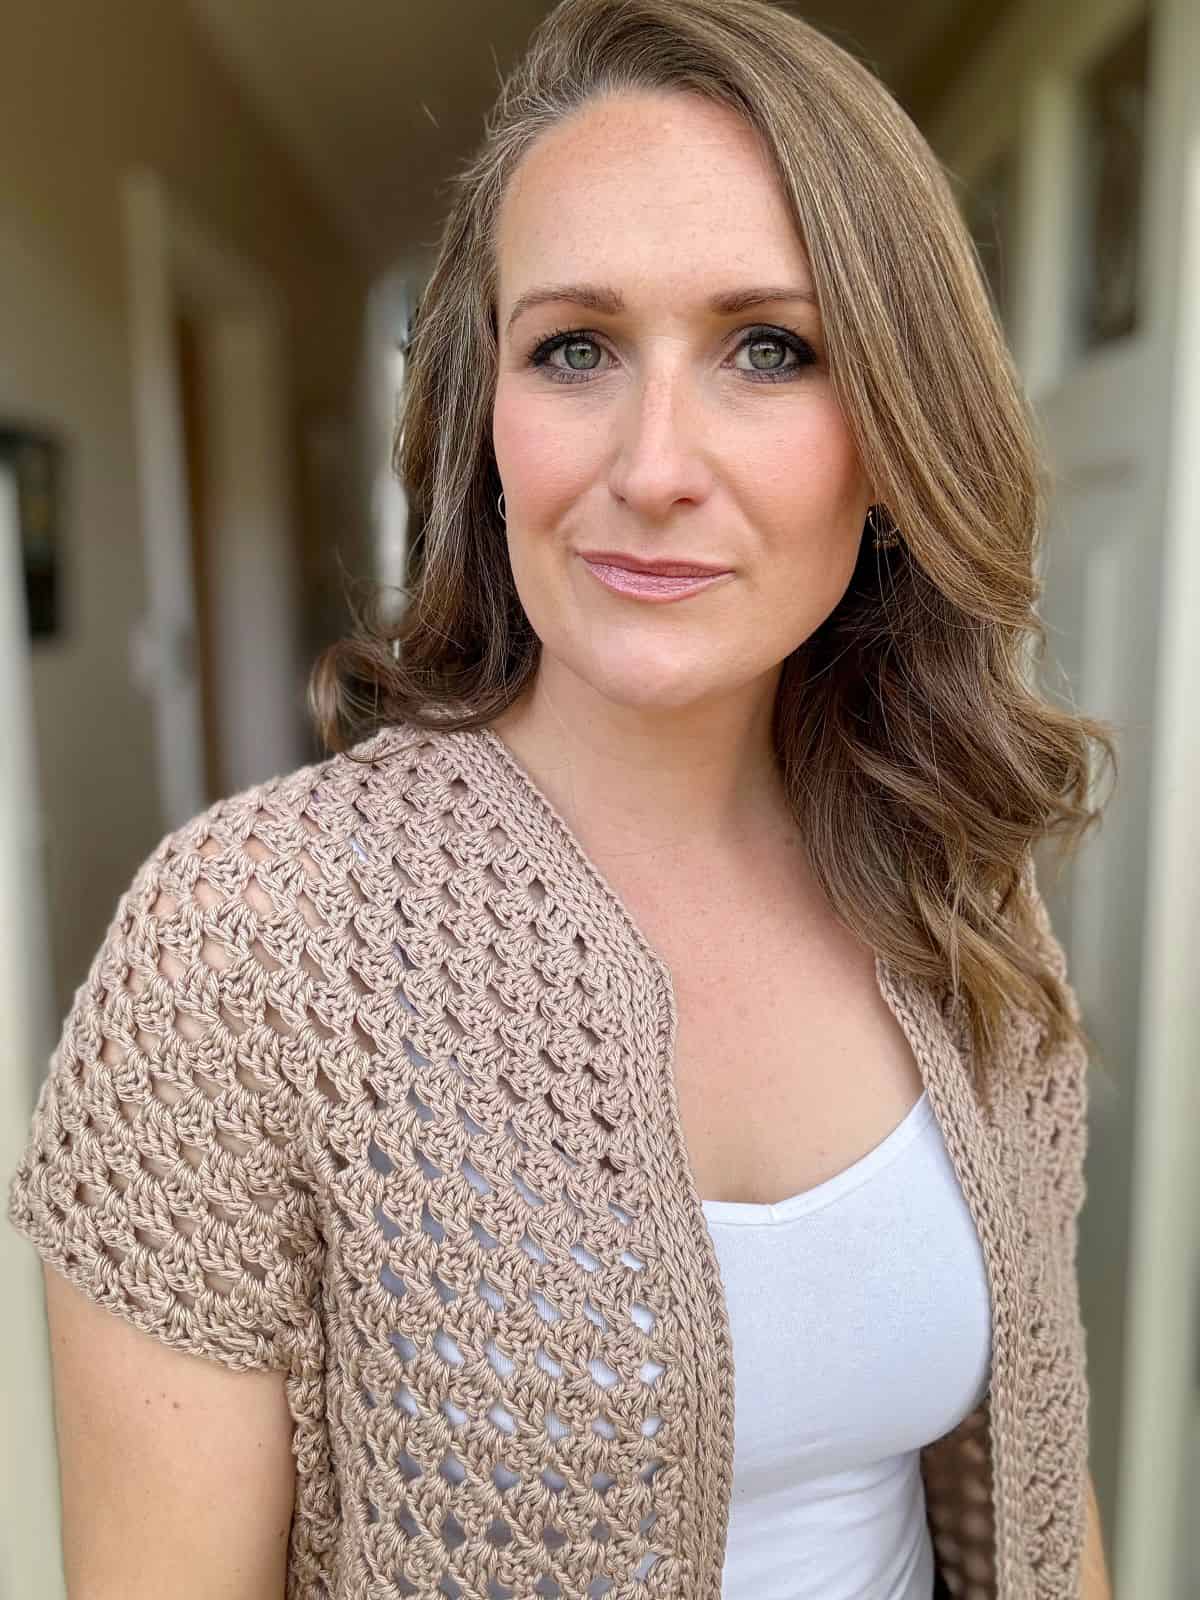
pixel 500 507
pixel 885 538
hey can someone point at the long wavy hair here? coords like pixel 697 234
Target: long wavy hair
pixel 920 760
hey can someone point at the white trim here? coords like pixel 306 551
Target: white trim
pixel 164 646
pixel 30 1563
pixel 1042 246
pixel 1161 1400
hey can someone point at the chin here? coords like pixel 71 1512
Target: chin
pixel 649 687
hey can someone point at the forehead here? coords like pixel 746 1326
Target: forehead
pixel 647 190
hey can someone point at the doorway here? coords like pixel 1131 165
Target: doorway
pixel 220 646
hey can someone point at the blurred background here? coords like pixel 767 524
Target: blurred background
pixel 215 220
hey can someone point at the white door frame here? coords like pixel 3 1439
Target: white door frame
pixel 1038 46
pixel 30 1559
pixel 174 263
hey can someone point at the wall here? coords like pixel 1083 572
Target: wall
pixel 86 93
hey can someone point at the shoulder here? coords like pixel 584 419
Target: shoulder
pixel 229 957
pixel 262 845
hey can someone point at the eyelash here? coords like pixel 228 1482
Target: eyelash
pixel 540 355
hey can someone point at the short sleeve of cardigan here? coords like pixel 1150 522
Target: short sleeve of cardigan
pixel 162 1174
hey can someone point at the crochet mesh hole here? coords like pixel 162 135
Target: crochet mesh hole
pixel 475 1178
pixel 643 1316
pixel 431 1225
pixel 453 1532
pixel 504 1420
pixel 526 1193
pixel 585 1258
pixel 418 1105
pixel 378 1159
pixel 391 1282
pixel 447 1348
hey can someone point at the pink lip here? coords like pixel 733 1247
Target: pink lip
pixel 664 567
pixel 656 586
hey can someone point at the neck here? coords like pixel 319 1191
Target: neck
pixel 636 781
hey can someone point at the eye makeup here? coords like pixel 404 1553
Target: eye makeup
pixel 761 334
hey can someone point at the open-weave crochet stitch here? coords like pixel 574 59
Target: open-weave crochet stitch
pixel 370 1083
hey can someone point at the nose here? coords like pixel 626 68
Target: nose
pixel 659 461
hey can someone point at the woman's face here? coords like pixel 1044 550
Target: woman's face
pixel 636 413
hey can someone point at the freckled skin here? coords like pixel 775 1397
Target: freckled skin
pixel 670 447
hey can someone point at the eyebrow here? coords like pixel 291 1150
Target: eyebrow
pixel 609 302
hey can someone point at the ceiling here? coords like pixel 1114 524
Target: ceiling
pixel 379 100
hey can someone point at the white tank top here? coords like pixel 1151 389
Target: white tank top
pixel 861 1327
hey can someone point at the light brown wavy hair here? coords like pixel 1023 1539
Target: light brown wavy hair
pixel 921 763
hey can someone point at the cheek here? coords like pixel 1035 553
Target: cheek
pixel 806 468
pixel 804 490
pixel 543 460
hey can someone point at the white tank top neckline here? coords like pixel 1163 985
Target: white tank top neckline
pixel 754 1214
pixel 860 1319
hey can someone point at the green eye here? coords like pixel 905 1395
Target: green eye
pixel 582 355
pixel 767 354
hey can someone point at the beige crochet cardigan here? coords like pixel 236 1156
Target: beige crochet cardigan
pixel 370 1084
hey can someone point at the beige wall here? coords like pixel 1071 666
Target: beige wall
pixel 88 91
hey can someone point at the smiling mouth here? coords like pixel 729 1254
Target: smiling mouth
pixel 658 586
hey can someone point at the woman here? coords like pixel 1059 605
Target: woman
pixel 654 991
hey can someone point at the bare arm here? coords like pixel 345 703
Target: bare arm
pixel 177 1473
pixel 1094 1573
